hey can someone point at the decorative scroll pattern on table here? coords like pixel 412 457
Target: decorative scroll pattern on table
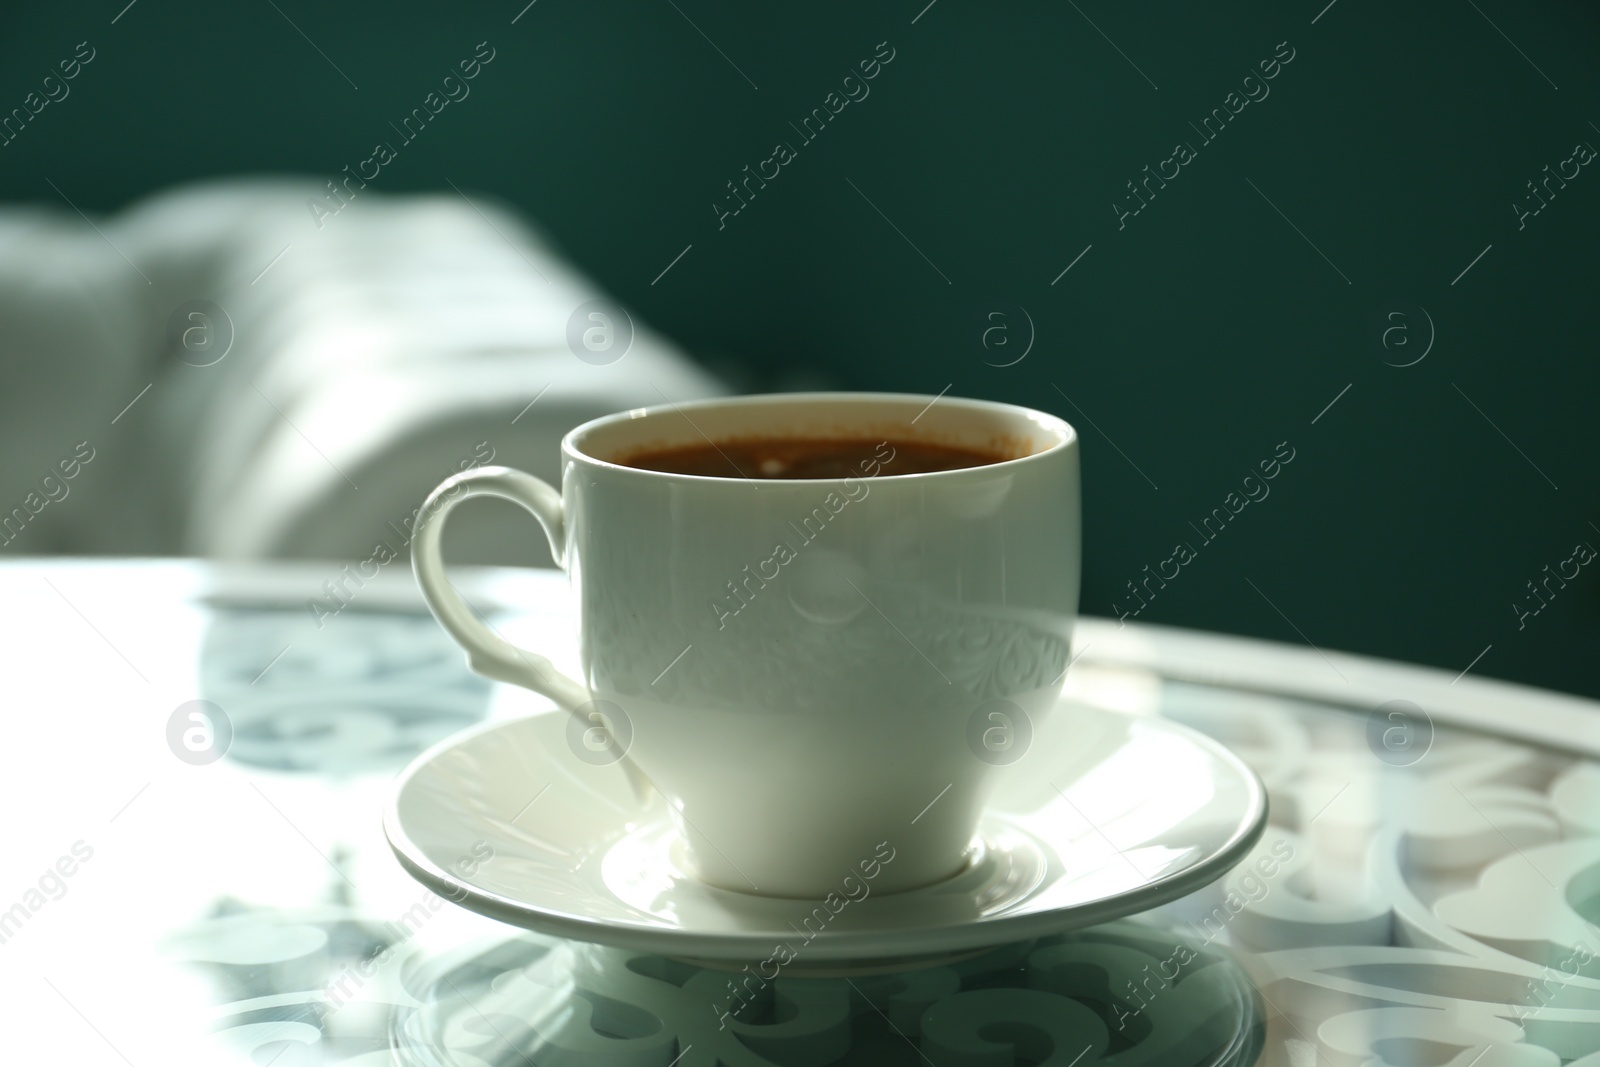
pixel 1048 1002
pixel 366 693
pixel 1444 913
pixel 529 999
pixel 1433 914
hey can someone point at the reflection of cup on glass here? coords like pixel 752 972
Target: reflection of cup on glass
pixel 793 606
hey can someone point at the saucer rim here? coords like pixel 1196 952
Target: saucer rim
pixel 853 945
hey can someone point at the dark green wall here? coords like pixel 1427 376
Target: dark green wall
pixel 1196 338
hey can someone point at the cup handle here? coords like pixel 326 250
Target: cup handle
pixel 487 652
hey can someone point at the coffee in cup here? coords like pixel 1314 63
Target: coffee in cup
pixel 805 618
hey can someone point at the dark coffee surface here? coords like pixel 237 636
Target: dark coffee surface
pixel 809 457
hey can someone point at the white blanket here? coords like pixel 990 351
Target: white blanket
pixel 366 360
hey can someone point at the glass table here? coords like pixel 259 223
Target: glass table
pixel 197 756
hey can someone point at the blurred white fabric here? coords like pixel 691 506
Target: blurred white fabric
pixel 368 359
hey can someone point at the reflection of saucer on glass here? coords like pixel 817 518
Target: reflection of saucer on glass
pixel 1106 815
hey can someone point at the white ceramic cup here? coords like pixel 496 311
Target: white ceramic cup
pixel 808 670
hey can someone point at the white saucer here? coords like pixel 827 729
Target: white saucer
pixel 1105 815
